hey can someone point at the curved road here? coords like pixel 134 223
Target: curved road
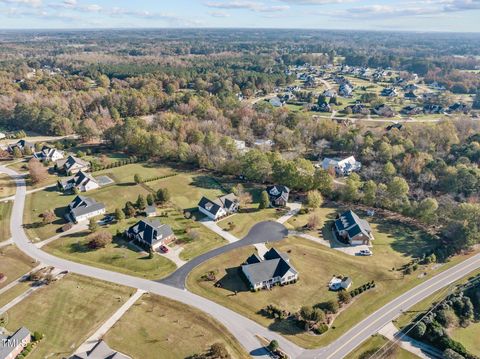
pixel 242 328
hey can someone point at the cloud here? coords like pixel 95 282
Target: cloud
pixel 35 3
pixel 246 5
pixel 219 14
pixel 317 2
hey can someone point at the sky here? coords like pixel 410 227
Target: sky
pixel 397 15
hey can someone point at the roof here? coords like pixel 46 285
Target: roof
pixel 278 191
pixel 16 337
pixel 226 202
pixel 71 160
pixel 275 264
pixel 82 205
pixel 349 221
pixel 149 231
pixel 101 351
pixel 80 178
pixel 209 206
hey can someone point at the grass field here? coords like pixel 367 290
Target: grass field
pixel 7 186
pixel 67 312
pixel 162 328
pixel 13 292
pixel 316 265
pixel 14 263
pixel 5 212
pixel 22 168
pixel 468 337
pixel 376 342
pixel 248 217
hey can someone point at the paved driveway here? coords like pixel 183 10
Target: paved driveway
pixel 262 232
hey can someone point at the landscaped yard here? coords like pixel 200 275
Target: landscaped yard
pixel 376 342
pixel 14 263
pixel 5 212
pixel 67 312
pixel 162 328
pixel 7 186
pixel 316 265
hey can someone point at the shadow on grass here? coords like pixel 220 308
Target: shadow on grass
pixel 286 327
pixel 234 281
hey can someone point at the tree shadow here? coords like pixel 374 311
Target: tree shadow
pixel 234 280
pixel 286 327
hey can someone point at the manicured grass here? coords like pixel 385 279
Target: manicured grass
pixel 7 186
pixel 247 218
pixel 14 263
pixel 125 174
pixel 67 312
pixel 13 293
pixel 5 212
pixel 162 328
pixel 316 265
pixel 376 342
pixel 118 256
pixel 468 337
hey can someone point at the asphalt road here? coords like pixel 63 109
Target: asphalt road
pixel 241 327
pixel 268 231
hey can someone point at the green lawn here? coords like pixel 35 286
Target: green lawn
pixel 13 292
pixel 247 218
pixel 468 337
pixel 5 212
pixel 162 328
pixel 22 168
pixel 14 263
pixel 7 186
pixel 376 342
pixel 125 174
pixel 67 312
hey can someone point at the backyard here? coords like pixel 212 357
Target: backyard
pixel 86 302
pixel 156 328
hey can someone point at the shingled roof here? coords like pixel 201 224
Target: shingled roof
pixel 350 222
pixel 275 264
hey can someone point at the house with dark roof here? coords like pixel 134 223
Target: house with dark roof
pixel 82 181
pixel 278 195
pixel 49 154
pixel 100 351
pixel 389 92
pixel 350 227
pixel 383 110
pixel 22 145
pixel 150 233
pixel 220 207
pixel 72 165
pixel 323 107
pixel 357 108
pixel 12 345
pixel 83 208
pixel 411 110
pixel 457 107
pixel 410 95
pixel 273 269
pixel 433 108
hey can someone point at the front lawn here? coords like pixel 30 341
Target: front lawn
pixel 162 328
pixel 5 212
pixel 67 312
pixel 14 264
pixel 7 186
pixel 240 223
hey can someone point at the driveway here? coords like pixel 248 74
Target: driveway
pixel 294 208
pixel 262 232
pixel 212 225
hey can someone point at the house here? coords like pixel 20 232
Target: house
pixel 433 109
pixel 72 165
pixel 339 283
pixel 100 351
pixel 263 143
pixel 240 145
pixel 352 228
pixel 278 195
pixel 12 345
pixel 411 110
pixel 22 145
pixel 410 95
pixel 83 208
pixel 274 268
pixel 383 110
pixel 2 135
pixel 410 87
pixel 342 167
pixel 389 92
pixel 345 90
pixel 396 125
pixel 82 182
pixel 220 207
pixel 150 234
pixel 330 93
pixel 49 154
pixel 323 107
pixel 276 102
pixel 436 86
pixel 150 211
pixel 357 108
pixel 457 107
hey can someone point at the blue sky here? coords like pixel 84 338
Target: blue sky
pixel 419 15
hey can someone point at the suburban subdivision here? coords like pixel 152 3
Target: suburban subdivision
pixel 213 193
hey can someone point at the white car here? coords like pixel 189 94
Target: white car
pixel 365 252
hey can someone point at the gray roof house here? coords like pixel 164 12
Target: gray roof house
pixel 82 208
pixel 278 195
pixel 151 234
pixel 72 165
pixel 49 154
pixel 352 228
pixel 100 351
pixel 81 181
pixel 220 207
pixel 22 145
pixel 274 268
pixel 12 345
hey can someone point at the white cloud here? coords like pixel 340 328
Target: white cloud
pixel 219 14
pixel 247 5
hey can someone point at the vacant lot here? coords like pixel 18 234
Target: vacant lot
pixel 67 312
pixel 239 224
pixel 5 212
pixel 7 186
pixel 14 292
pixel 468 337
pixel 14 263
pixel 375 343
pixel 162 328
pixel 316 265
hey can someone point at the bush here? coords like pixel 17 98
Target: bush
pixel 330 306
pixel 99 239
pixel 322 328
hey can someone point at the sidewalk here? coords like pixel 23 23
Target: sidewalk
pixel 6 243
pixel 76 228
pixel 215 228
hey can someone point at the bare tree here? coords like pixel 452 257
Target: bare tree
pixel 38 172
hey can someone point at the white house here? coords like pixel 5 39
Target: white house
pixel 342 167
pixel 82 181
pixel 83 208
pixel 220 207
pixel 49 154
pixel 72 165
pixel 338 283
pixel 2 135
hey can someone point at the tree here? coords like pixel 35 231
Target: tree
pixel 100 239
pixel 389 170
pixel 264 200
pixel 163 195
pixel 418 331
pixel 219 351
pixel 452 354
pixel 129 209
pixel 323 182
pixel 141 202
pixel 273 346
pixel 38 172
pixel 17 153
pixel 313 221
pixel 150 199
pixel 119 215
pixel 92 225
pixel 48 217
pixel 137 178
pixel 344 297
pixel 369 193
pixel 427 209
pixel 351 190
pixel 314 199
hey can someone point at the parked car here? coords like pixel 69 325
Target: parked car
pixel 365 252
pixel 164 249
